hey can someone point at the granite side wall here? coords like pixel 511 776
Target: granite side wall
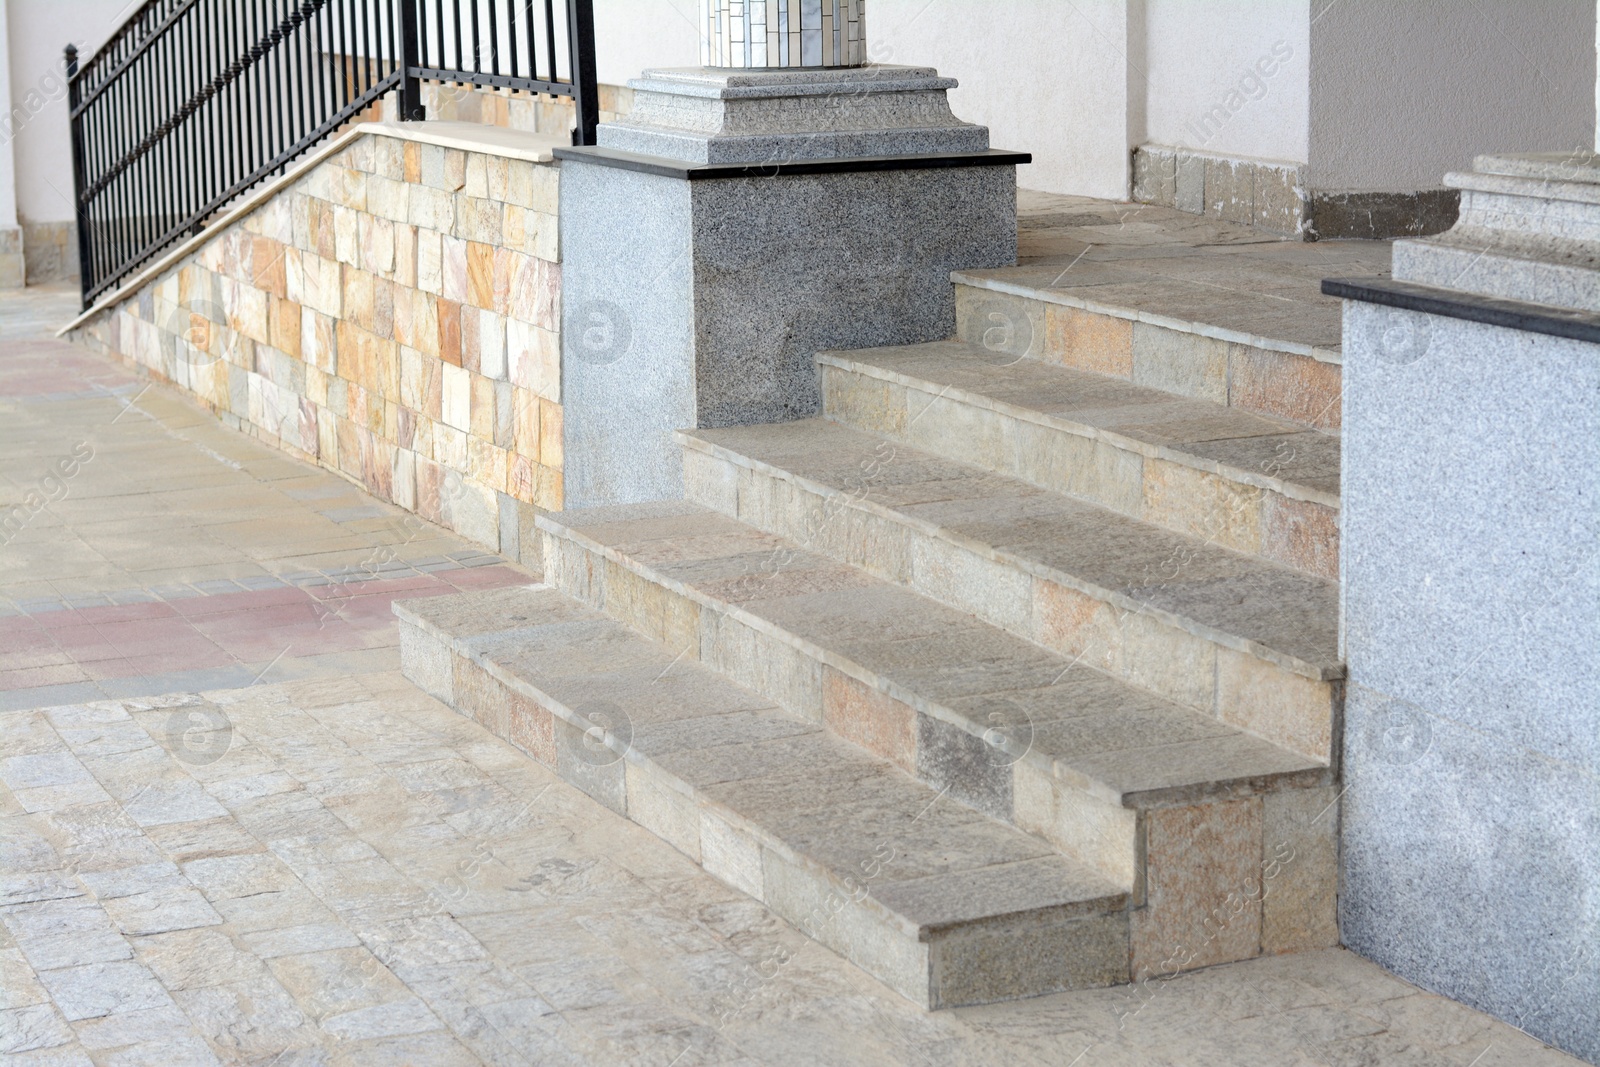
pixel 394 315
pixel 1471 564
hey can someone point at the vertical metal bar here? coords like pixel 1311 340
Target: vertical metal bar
pixel 494 39
pixel 550 39
pixel 585 95
pixel 460 55
pixel 477 39
pixel 410 88
pixel 511 36
pixel 85 262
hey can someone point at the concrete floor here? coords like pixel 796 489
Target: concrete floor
pixel 232 832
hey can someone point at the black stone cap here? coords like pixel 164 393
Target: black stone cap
pixel 677 168
pixel 1472 307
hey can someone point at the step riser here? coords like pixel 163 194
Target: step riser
pixel 1233 684
pixel 1122 476
pixel 1285 385
pixel 1180 890
pixel 1001 959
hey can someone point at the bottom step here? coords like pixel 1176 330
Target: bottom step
pixel 943 904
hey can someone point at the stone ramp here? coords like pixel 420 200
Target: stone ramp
pixel 942 903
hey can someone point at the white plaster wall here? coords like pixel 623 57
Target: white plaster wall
pixel 1229 77
pixel 630 35
pixel 1046 76
pixel 1404 90
pixel 8 176
pixel 39 30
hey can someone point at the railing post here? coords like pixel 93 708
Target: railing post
pixel 80 211
pixel 411 109
pixel 585 95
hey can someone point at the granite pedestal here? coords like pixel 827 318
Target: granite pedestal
pixel 740 223
pixel 1471 564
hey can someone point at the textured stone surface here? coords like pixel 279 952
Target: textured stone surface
pixel 997 529
pixel 1192 466
pixel 718 322
pixel 383 321
pixel 938 660
pixel 822 813
pixel 1471 604
pixel 1203 894
pixel 700 115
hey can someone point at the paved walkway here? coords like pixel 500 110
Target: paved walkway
pixel 231 832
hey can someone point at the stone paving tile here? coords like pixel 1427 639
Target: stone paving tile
pixel 526 932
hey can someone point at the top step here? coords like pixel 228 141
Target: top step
pixel 1187 304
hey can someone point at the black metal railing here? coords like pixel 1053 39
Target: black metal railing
pixel 192 102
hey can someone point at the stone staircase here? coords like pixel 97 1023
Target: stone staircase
pixel 1011 673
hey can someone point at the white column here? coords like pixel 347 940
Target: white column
pixel 11 262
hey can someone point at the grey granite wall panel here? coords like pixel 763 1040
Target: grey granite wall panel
pixel 1471 563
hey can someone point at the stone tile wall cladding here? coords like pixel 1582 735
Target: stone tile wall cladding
pixel 531 113
pixel 1275 197
pixel 393 315
pixel 50 250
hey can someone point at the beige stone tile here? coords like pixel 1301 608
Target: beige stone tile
pixel 1089 341
pixel 1203 505
pixel 870 718
pixel 1105 836
pixel 1301 534
pixel 1270 702
pixel 1188 364
pixel 1300 870
pixel 1203 888
pixel 1289 386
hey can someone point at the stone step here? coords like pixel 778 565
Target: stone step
pixel 1110 774
pixel 1254 484
pixel 943 904
pixel 1247 641
pixel 1242 345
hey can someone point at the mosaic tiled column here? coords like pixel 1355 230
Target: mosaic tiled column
pixel 777 34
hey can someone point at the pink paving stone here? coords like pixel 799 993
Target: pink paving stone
pixel 267 617
pixel 196 657
pixel 144 634
pixel 255 598
pixel 154 609
pixel 484 577
pixel 84 642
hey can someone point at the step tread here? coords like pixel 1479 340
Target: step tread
pixel 1241 600
pixel 1084 725
pixel 781 778
pixel 1247 447
pixel 1179 289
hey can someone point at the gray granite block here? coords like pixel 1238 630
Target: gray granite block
pixel 1474 531
pixel 704 115
pixel 627 360
pixel 703 303
pixel 1469 867
pixel 1472 633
